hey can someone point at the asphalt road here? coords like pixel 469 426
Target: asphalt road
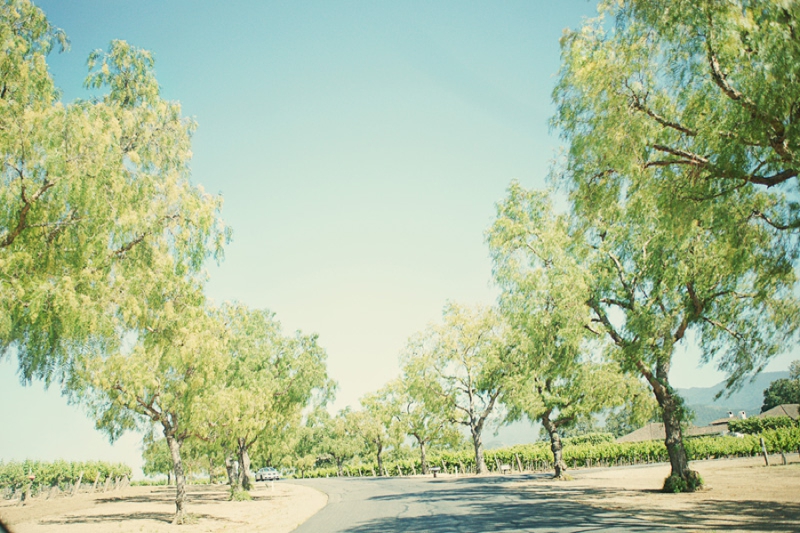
pixel 462 505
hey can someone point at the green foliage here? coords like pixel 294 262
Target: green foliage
pixel 338 437
pixel 157 459
pixel 754 426
pixel 696 99
pixel 95 196
pixel 783 391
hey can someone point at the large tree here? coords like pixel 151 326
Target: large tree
pixel 700 96
pixel 652 278
pixel 681 169
pixel 93 194
pixel 561 376
pixel 460 368
pixel 167 373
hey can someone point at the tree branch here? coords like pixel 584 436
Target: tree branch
pixel 638 104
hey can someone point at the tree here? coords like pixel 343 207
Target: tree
pixel 377 424
pixel 680 169
pixel 157 459
pixel 700 97
pixel 652 278
pixel 427 422
pixel 339 437
pixel 168 374
pixel 269 379
pixel 458 368
pixel 93 193
pixel 559 375
pixel 783 391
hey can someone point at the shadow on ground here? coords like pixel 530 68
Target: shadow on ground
pixel 124 517
pixel 709 514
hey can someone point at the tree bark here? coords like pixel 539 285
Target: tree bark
pixel 555 446
pixel 244 465
pixel 423 460
pixel 672 416
pixel 380 459
pixel 477 443
pixel 229 468
pixel 180 481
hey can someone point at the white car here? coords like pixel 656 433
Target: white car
pixel 267 474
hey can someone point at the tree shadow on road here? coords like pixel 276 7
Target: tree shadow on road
pixel 518 510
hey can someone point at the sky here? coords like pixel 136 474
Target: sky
pixel 360 148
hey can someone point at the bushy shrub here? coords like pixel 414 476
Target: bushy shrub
pixel 239 495
pixel 676 484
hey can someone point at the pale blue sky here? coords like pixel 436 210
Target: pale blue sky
pixel 360 148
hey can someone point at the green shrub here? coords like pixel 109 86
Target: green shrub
pixel 676 484
pixel 239 495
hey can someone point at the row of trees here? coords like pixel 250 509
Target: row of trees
pixel 681 172
pixel 102 242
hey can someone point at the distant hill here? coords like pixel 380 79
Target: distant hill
pixel 748 399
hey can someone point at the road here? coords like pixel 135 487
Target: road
pixel 458 505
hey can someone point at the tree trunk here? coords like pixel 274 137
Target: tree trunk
pixel 672 415
pixel 180 481
pixel 380 459
pixel 555 446
pixel 480 463
pixel 682 478
pixel 339 471
pixel 210 470
pixel 422 458
pixel 244 465
pixel 232 477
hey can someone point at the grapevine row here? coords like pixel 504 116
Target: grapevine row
pixel 539 457
pixel 16 475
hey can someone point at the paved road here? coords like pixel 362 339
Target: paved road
pixel 458 505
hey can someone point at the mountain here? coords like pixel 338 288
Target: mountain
pixel 748 399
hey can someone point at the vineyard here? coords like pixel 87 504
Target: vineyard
pixel 596 450
pixel 18 478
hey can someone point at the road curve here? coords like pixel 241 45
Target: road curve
pixel 458 505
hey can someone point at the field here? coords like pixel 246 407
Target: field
pixel 741 495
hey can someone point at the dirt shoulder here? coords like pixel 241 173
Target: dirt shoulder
pixel 151 509
pixel 741 495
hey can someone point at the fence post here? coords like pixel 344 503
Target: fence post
pixel 77 484
pixel 764 450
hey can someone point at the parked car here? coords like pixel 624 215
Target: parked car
pixel 267 474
